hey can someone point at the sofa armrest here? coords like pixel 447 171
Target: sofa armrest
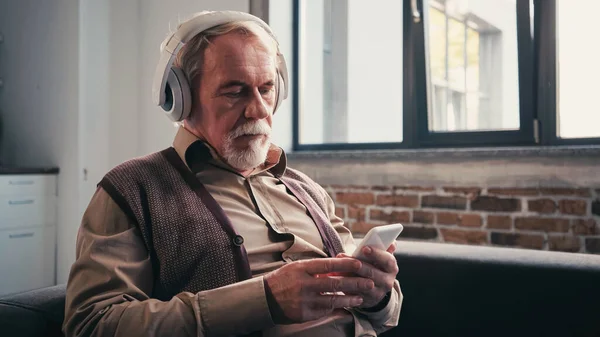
pixel 460 290
pixel 34 313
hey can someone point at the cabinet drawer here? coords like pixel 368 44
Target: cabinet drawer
pixel 27 259
pixel 25 184
pixel 27 211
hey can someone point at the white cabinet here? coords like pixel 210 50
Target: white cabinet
pixel 27 258
pixel 27 232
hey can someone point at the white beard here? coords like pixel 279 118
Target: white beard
pixel 256 152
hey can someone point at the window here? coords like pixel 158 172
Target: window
pixel 473 66
pixel 343 94
pixel 385 74
pixel 578 111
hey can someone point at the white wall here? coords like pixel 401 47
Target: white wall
pixel 39 66
pixel 281 23
pixel 39 102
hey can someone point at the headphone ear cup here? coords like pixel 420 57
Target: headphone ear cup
pixel 279 91
pixel 178 103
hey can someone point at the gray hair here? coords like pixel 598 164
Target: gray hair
pixel 191 56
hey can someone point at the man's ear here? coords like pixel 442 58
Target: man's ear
pixel 188 123
pixel 195 112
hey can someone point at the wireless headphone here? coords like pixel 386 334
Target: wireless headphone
pixel 171 90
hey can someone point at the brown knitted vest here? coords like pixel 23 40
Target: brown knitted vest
pixel 192 244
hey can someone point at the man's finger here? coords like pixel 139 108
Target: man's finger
pixel 334 274
pixel 331 265
pixel 343 255
pixel 371 272
pixel 381 259
pixel 332 302
pixel 343 284
pixel 392 248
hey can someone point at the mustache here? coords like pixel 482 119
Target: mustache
pixel 251 128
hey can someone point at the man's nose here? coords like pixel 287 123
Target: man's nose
pixel 257 107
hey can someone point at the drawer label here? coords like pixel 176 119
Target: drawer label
pixel 20 236
pixel 21 182
pixel 20 202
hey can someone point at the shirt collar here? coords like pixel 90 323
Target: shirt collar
pixel 196 153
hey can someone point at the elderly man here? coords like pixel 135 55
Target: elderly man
pixel 216 235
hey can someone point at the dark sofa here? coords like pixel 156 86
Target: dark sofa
pixel 449 290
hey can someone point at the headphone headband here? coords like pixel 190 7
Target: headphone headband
pixel 165 76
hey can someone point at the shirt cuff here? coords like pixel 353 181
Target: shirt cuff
pixel 236 309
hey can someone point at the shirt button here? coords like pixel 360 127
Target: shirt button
pixel 238 240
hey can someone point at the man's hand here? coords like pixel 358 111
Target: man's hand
pixel 299 292
pixel 379 266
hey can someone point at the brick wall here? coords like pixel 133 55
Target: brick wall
pixel 560 219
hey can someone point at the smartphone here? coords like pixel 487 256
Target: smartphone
pixel 378 237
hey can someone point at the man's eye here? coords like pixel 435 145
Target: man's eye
pixel 236 94
pixel 266 91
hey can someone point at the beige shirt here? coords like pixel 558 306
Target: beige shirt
pixel 110 285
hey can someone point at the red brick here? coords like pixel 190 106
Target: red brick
pixel 542 224
pixel 411 201
pixel 415 188
pixel 470 192
pixel 564 243
pixel 423 217
pixel 499 222
pixel 448 218
pixel 574 207
pixel 463 236
pixel 436 201
pixel 581 192
pixel 339 211
pixel 421 233
pixel 592 245
pixel 355 198
pixel 470 220
pixel 585 227
pixel 391 217
pixel 514 191
pixel 362 227
pixel 494 204
pixel 532 241
pixel 357 213
pixel 546 206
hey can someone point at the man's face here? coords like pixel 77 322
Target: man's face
pixel 235 99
